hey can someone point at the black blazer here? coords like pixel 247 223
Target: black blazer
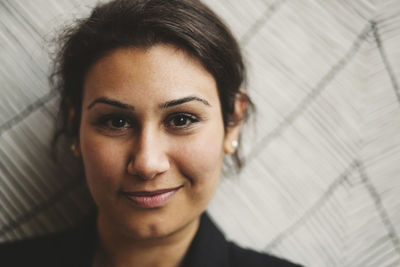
pixel 74 248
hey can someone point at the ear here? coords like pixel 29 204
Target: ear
pixel 75 146
pixel 235 122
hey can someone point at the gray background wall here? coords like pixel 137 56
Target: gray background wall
pixel 322 181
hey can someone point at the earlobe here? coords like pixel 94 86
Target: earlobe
pixel 76 150
pixel 232 135
pixel 231 148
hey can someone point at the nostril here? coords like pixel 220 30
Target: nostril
pixel 145 176
pixel 147 168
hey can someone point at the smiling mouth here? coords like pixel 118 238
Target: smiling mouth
pixel 151 199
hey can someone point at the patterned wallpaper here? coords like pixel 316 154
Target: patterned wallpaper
pixel 321 183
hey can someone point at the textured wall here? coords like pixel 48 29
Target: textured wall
pixel 322 181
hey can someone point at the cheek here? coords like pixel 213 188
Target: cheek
pixel 103 161
pixel 201 157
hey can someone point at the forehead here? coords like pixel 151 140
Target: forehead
pixel 160 72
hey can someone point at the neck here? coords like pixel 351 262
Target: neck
pixel 115 249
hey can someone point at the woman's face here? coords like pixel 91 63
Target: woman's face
pixel 152 139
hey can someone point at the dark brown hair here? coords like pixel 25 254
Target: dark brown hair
pixel 186 24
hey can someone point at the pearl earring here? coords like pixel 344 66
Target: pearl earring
pixel 75 150
pixel 235 144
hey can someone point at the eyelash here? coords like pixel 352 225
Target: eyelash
pixel 126 122
pixel 190 119
pixel 107 120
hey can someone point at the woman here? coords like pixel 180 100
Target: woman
pixel 151 101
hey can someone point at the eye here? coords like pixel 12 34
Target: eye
pixel 118 123
pixel 115 122
pixel 181 120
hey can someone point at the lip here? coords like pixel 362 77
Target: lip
pixel 151 199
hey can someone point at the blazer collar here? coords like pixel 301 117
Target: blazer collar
pixel 209 247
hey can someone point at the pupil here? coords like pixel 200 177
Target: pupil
pixel 180 121
pixel 118 123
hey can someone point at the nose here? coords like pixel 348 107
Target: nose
pixel 149 156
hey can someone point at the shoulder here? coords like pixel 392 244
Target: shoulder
pixel 210 248
pixel 68 248
pixel 239 256
pixel 39 250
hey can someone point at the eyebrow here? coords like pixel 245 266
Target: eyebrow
pixel 183 100
pixel 168 104
pixel 111 102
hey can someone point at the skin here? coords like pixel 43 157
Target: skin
pixel 134 136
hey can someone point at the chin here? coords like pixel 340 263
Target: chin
pixel 148 224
